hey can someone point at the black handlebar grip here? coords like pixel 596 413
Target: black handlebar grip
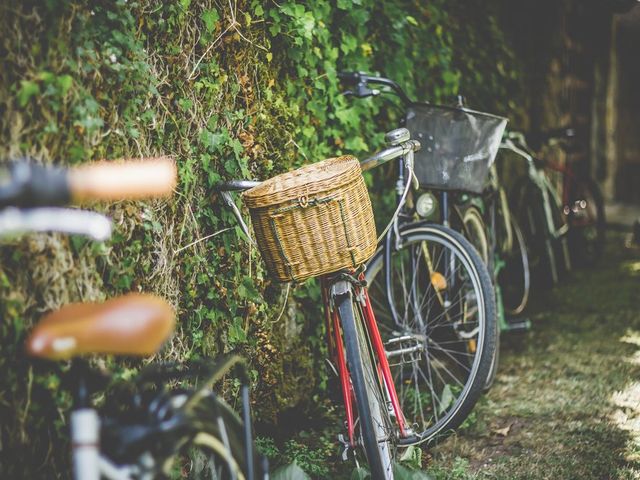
pixel 349 77
pixel 33 185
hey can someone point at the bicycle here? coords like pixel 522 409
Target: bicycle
pixel 388 404
pixel 539 207
pixel 150 429
pixel 459 146
pixel 581 198
pixel 476 208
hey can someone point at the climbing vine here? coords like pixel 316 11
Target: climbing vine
pixel 230 89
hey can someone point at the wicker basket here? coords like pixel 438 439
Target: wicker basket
pixel 314 220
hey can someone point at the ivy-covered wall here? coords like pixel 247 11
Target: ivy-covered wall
pixel 239 88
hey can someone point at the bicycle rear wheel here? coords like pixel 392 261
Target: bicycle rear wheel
pixel 441 349
pixel 374 423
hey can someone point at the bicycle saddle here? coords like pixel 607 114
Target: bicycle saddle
pixel 134 324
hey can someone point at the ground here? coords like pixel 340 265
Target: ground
pixel 566 403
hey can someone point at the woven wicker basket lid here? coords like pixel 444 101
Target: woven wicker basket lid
pixel 308 180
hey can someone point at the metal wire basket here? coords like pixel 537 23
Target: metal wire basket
pixel 458 145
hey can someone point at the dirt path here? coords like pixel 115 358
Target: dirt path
pixel 566 404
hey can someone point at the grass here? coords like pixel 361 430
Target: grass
pixel 566 403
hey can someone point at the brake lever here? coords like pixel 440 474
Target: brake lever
pixel 228 200
pixel 15 221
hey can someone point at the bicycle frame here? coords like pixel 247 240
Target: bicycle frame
pixel 88 429
pixel 333 286
pixel 542 181
pixel 349 283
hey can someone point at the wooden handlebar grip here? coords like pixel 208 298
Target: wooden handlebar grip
pixel 129 180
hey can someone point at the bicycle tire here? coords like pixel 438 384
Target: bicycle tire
pixel 475 231
pixel 528 202
pixel 449 406
pixel 586 236
pixel 515 278
pixel 373 417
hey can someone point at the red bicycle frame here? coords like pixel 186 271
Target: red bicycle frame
pixel 337 353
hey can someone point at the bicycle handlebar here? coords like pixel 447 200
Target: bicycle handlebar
pixel 389 154
pixel 14 221
pixel 375 160
pixel 32 185
pixel 235 185
pixel 361 80
pixel 131 180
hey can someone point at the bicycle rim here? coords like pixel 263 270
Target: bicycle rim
pixel 475 232
pixel 533 223
pixel 374 425
pixel 441 352
pixel 515 279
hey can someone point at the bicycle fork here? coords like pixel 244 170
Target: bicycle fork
pixel 337 291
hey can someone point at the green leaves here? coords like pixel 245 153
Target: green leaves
pixel 27 90
pixel 46 84
pixel 210 19
pixel 289 472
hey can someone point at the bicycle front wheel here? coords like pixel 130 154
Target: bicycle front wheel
pixel 514 278
pixel 441 346
pixel 374 425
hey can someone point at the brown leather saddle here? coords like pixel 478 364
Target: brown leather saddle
pixel 134 324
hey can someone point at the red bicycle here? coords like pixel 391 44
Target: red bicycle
pixel 408 381
pixel 582 202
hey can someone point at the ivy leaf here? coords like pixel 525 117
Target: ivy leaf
pixel 349 44
pixel 236 332
pixel 64 83
pixel 213 141
pixel 210 18
pixel 412 20
pixel 356 144
pixel 27 90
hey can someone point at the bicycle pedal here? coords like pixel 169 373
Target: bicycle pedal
pixel 517 325
pixel 406 347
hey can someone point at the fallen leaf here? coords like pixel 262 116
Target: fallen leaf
pixel 503 432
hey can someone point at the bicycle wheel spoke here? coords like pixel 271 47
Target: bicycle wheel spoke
pixel 443 305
